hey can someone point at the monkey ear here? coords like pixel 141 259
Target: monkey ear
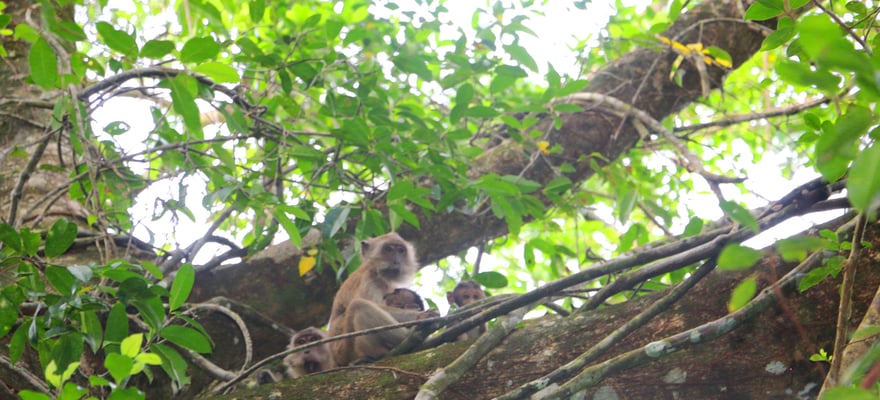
pixel 450 297
pixel 365 245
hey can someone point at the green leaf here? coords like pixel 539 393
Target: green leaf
pixel 31 395
pixel 521 56
pixel 151 311
pixel 8 315
pixel 44 65
pixel 56 376
pixel 693 228
pixel 186 337
pixel 156 49
pixel 130 393
pixel 148 358
pixel 256 9
pixel 66 351
pixel 567 108
pixel 61 279
pixel 761 12
pixel 626 202
pixel 288 225
pixel 91 329
pixel 413 65
pixel 119 366
pixel 740 214
pixel 736 257
pixel 184 103
pixel 802 74
pixel 500 83
pixel 153 270
pixel 17 344
pixel 863 182
pixel 9 237
pixel 131 345
pixel 491 279
pixel 464 95
pixel 481 112
pixel 200 49
pixel 742 294
pixel 333 221
pixel 836 148
pixel 848 393
pixel 30 241
pixel 181 287
pixel 117 324
pixel 72 391
pixel 117 40
pixel 555 188
pixel 172 363
pixel 218 72
pixel 60 237
pixel 398 213
pixel 797 248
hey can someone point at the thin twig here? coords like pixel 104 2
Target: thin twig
pixel 245 333
pixel 25 175
pixel 844 310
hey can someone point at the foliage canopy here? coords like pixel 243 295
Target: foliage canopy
pixel 361 117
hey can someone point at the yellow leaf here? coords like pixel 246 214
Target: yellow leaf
pixel 696 47
pixel 544 146
pixel 681 49
pixel 306 263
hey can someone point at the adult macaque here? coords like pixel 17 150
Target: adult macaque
pixel 404 298
pixel 467 292
pixel 311 360
pixel 388 262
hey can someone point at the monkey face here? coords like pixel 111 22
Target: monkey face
pixel 311 360
pixel 300 340
pixel 464 297
pixel 405 299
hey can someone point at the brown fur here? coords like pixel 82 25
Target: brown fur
pixel 467 292
pixel 406 299
pixel 311 360
pixel 388 262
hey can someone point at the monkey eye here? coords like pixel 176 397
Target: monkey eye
pixel 393 248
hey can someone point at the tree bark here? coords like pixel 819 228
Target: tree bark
pixel 766 357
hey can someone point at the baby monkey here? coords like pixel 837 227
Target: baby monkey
pixel 311 360
pixel 404 298
pixel 467 292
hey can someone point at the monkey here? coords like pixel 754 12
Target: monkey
pixel 311 360
pixel 264 376
pixel 387 262
pixel 467 292
pixel 404 298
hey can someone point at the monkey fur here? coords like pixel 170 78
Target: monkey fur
pixel 406 299
pixel 311 360
pixel 467 292
pixel 387 262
